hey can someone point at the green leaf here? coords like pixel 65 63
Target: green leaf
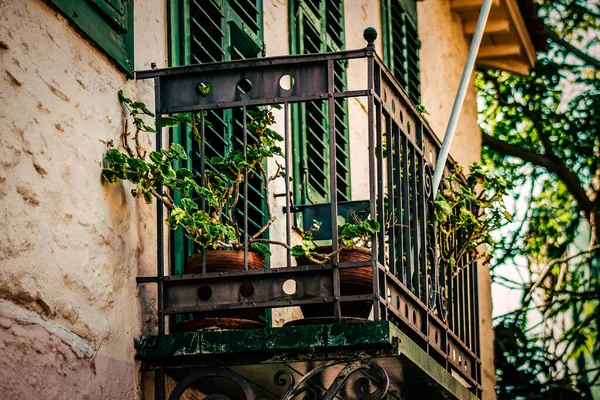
pixel 189 204
pixel 260 248
pixel 204 88
pixel 443 206
pixel 297 251
pixel 156 156
pixel 184 173
pixel 167 171
pixel 179 151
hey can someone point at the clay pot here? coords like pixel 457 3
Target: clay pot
pixel 353 281
pixel 223 261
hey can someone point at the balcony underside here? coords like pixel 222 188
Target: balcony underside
pixel 257 355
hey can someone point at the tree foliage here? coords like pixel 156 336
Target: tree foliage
pixel 541 132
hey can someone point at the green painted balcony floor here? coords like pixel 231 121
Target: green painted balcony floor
pixel 257 354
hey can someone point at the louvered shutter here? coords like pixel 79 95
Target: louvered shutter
pixel 319 27
pixel 204 31
pixel 401 44
pixel 106 23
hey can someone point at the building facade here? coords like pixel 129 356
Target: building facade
pixel 72 245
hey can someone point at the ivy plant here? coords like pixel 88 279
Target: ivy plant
pixel 467 210
pixel 213 226
pixel 350 235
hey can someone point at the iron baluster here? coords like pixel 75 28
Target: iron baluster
pixel 245 186
pixel 337 311
pixel 202 169
pixel 370 35
pixel 288 171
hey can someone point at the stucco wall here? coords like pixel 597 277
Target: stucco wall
pixel 70 246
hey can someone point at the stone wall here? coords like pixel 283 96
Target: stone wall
pixel 70 246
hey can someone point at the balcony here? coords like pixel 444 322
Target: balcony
pixel 422 333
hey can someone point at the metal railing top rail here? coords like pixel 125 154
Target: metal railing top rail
pixel 275 62
pixel 252 62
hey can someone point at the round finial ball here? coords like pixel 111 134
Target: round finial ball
pixel 370 34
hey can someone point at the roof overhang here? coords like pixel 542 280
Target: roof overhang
pixel 509 42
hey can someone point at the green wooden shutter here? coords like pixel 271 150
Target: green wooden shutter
pixel 203 31
pixel 318 26
pixel 108 24
pixel 401 44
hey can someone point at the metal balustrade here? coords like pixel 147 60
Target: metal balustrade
pixel 435 306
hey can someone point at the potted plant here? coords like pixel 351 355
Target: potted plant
pixel 207 203
pixel 467 210
pixel 354 246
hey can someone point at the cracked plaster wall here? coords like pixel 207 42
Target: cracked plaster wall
pixel 70 246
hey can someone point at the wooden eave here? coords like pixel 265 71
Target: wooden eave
pixel 507 43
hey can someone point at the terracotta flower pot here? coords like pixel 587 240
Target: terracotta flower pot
pixel 353 281
pixel 223 261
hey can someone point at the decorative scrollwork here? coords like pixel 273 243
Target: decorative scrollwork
pixel 280 381
pixel 363 384
pixel 373 385
pixel 296 388
pixel 293 390
pixel 436 281
pixel 186 382
pixel 375 377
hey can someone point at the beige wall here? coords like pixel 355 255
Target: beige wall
pixel 70 246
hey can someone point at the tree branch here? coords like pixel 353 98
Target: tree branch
pixel 544 272
pixel 568 177
pixel 583 56
pixel 269 241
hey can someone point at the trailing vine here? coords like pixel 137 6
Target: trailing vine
pixel 213 226
pixel 466 212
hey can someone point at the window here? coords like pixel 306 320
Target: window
pixel 401 44
pixel 108 24
pixel 202 31
pixel 318 26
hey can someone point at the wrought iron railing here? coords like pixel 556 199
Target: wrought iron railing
pixel 434 305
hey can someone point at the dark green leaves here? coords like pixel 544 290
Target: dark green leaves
pixel 260 248
pixel 204 88
pixel 137 110
pixel 359 232
pixel 471 209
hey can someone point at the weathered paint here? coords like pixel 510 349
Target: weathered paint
pixel 220 342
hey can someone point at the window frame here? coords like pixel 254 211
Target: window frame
pixel 409 21
pixel 180 53
pixel 302 191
